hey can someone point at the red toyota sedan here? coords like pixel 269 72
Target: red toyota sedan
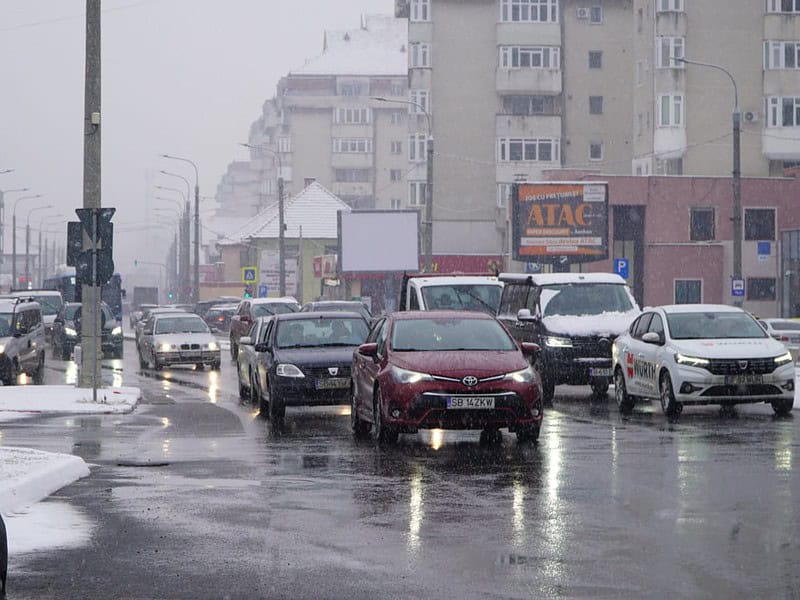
pixel 444 369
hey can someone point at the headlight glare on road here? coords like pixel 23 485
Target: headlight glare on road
pixel 117 330
pixel 524 376
pixel 783 358
pixel 213 346
pixel 70 332
pixel 557 342
pixel 405 376
pixel 691 361
pixel 288 370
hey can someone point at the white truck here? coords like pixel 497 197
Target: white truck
pixel 427 291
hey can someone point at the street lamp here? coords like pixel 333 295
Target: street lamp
pixel 14 236
pixel 428 223
pixel 28 240
pixel 43 255
pixel 281 218
pixel 737 173
pixel 196 286
pixel 184 285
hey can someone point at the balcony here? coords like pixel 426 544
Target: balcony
pixel 669 142
pixel 780 143
pixel 352 160
pixel 548 126
pixel 528 81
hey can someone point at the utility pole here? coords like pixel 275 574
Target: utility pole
pixel 90 374
pixel 196 286
pixel 281 240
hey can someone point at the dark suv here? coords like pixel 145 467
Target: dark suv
pixel 574 317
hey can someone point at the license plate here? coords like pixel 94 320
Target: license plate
pixel 597 372
pixel 470 402
pixel 191 354
pixel 333 383
pixel 743 379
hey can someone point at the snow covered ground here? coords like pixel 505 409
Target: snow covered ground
pixel 20 402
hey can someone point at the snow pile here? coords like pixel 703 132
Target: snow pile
pixel 611 323
pixel 18 402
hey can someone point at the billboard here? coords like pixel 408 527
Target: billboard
pixel 378 240
pixel 559 222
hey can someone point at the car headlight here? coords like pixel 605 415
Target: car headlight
pixel 213 346
pixel 287 370
pixel 405 376
pixel 783 358
pixel 691 361
pixel 70 332
pixel 2 349
pixel 524 376
pixel 117 330
pixel 557 342
pixel 167 347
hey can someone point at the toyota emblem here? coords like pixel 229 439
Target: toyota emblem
pixel 470 381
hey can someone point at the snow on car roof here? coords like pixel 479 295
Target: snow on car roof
pixel 562 278
pixel 456 280
pixel 693 308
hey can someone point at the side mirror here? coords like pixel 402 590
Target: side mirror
pixel 370 350
pixel 651 337
pixel 245 341
pixel 524 314
pixel 260 347
pixel 530 349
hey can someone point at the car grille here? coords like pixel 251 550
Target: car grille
pixel 190 346
pixel 735 391
pixel 759 366
pixel 586 347
pixel 322 372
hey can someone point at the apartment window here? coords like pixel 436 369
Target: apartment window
pixel 419 55
pixel 669 166
pixel 669 6
pixel 284 144
pixel 783 6
pixel 760 288
pixel 759 224
pixel 421 99
pixel 688 291
pixel 529 105
pixel 420 10
pixel 595 105
pixel 667 50
pixel 530 57
pixel 352 116
pixel 396 175
pixel 352 175
pixel 416 193
pixel 596 14
pixel 352 145
pixel 397 89
pixel 395 203
pixel 701 226
pixel 783 111
pixel 595 59
pixel 529 149
pixel 781 55
pixel 352 89
pixel 670 110
pixel 595 151
pixel 504 194
pixel 417 147
pixel 529 11
pixel 396 117
pixel 397 147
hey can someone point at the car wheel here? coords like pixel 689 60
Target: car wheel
pixel 258 396
pixel 600 387
pixel 117 353
pixel 234 350
pixel 380 433
pixel 13 373
pixel 548 384
pixel 527 434
pixel 199 367
pixel 625 402
pixel 244 391
pixel 38 374
pixel 359 426
pixel 215 366
pixel 669 405
pixel 782 407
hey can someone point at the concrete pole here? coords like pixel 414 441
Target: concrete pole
pixel 281 240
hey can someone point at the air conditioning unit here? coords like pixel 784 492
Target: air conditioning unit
pixel 582 13
pixel 750 116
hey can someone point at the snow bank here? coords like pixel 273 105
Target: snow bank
pixel 17 402
pixel 47 525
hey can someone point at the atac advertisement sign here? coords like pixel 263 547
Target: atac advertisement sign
pixel 560 222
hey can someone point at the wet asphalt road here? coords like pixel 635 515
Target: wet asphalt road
pixel 194 496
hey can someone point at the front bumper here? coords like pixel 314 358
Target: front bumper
pixel 317 388
pixel 692 385
pixel 576 366
pixel 189 357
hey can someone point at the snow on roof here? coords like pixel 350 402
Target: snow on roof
pixel 562 278
pixel 379 47
pixel 315 209
pixel 694 308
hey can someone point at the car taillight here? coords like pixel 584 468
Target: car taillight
pixel 220 318
pixel 784 338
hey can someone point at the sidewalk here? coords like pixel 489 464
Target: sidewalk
pixel 23 401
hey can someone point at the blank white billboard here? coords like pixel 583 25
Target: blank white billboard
pixel 379 240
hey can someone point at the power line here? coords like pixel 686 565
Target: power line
pixel 55 20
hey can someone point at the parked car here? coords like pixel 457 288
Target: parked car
pixel 178 338
pixel 247 360
pixel 448 370
pixel 693 354
pixel 574 318
pixel 250 309
pixel 147 316
pixel 338 305
pixel 67 330
pixel 22 344
pixel 218 317
pixel 784 330
pixel 305 360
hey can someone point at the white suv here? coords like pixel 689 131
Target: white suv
pixel 22 341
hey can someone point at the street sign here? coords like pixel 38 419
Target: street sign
pixel 100 247
pixel 737 288
pixel 621 266
pixel 764 250
pixel 249 274
pixel 262 291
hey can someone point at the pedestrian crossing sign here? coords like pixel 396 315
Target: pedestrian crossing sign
pixel 249 274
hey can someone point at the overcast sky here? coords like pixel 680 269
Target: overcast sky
pixel 184 77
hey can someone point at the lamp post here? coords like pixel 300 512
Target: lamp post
pixel 281 218
pixel 184 285
pixel 737 173
pixel 28 241
pixel 14 236
pixel 43 255
pixel 196 286
pixel 3 215
pixel 428 222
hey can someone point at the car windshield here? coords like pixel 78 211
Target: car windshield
pixel 181 325
pixel 450 334
pixel 314 333
pixel 272 308
pixel 475 297
pixel 785 325
pixel 70 310
pixel 6 319
pixel 713 325
pixel 578 299
pixel 49 303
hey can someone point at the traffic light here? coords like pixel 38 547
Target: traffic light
pixel 248 291
pixel 171 295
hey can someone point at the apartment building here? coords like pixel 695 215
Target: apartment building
pixel 340 120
